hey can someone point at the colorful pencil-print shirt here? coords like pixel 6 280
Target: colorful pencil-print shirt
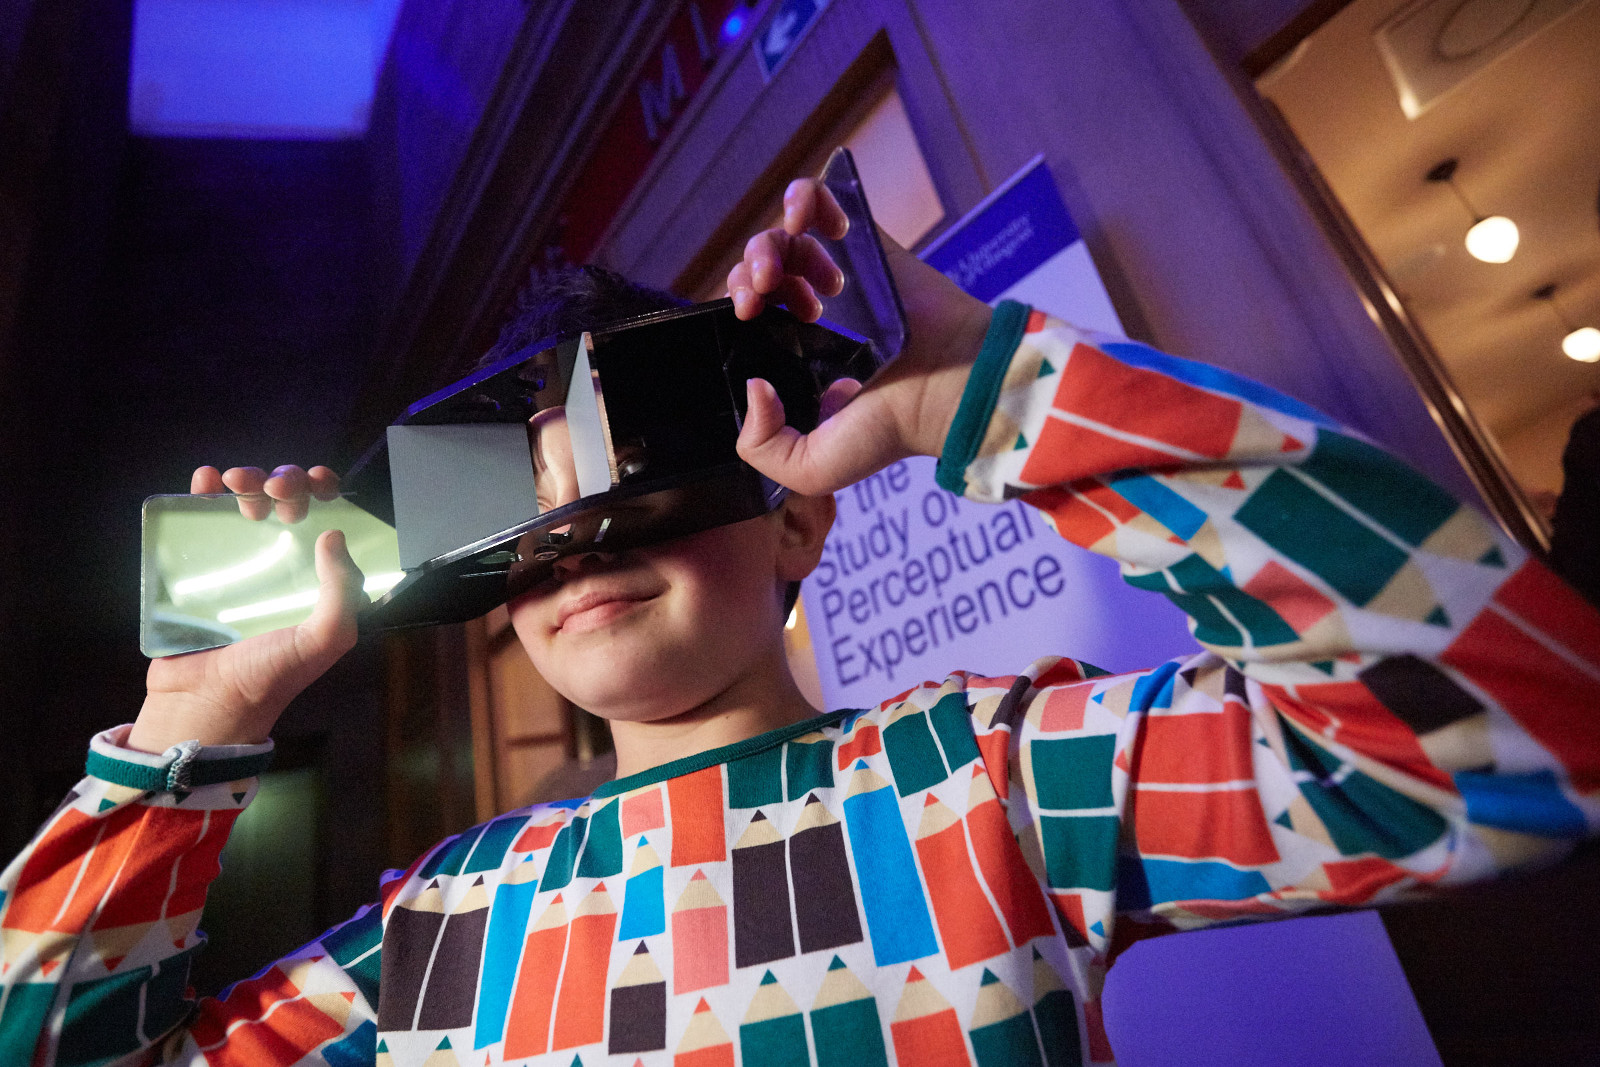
pixel 1391 695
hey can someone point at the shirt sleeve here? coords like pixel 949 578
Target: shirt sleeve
pixel 1391 693
pixel 99 922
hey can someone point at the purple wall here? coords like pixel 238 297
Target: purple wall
pixel 444 62
pixel 1275 995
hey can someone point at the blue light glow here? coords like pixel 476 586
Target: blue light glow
pixel 732 26
pixel 256 68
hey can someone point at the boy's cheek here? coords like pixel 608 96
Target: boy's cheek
pixel 528 614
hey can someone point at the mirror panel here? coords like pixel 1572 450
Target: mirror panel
pixel 210 576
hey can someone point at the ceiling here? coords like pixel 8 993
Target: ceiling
pixel 1526 129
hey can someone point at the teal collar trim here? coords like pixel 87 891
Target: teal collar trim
pixel 978 398
pixel 726 754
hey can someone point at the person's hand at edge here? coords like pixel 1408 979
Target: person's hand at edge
pixel 907 407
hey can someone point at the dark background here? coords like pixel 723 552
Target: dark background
pixel 172 302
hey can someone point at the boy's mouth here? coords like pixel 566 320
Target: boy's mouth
pixel 595 608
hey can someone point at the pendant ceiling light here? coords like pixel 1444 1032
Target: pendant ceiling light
pixel 1492 238
pixel 1581 343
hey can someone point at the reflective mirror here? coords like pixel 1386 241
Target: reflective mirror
pixel 209 576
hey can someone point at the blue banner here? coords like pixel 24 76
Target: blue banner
pixel 1007 236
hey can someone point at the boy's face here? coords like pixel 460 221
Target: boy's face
pixel 653 632
pixel 650 633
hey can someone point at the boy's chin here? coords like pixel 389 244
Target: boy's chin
pixel 653 714
pixel 653 699
pixel 649 714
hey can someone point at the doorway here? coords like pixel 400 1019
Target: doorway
pixel 1423 119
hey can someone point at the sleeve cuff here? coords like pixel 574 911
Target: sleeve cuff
pixel 983 390
pixel 183 766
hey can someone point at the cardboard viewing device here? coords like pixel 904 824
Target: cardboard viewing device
pixel 634 423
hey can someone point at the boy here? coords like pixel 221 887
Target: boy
pixel 1392 695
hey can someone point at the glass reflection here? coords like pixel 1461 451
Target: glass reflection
pixel 210 576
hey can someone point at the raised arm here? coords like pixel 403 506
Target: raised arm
pixel 1392 693
pixel 99 915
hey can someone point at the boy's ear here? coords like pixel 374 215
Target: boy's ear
pixel 805 521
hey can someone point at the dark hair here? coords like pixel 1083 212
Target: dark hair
pixel 569 300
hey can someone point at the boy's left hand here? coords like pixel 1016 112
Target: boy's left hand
pixel 907 407
pixel 234 694
pixel 287 490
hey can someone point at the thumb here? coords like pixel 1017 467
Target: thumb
pixel 766 442
pixel 330 631
pixel 847 446
pixel 837 395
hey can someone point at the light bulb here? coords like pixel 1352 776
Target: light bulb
pixel 1582 344
pixel 1493 240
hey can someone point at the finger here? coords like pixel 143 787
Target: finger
pixel 290 489
pixel 206 480
pixel 330 630
pixel 807 259
pixel 837 395
pixel 839 451
pixel 767 443
pixel 246 481
pixel 797 295
pixel 763 419
pixel 324 483
pixel 292 511
pixel 809 205
pixel 747 303
pixel 778 450
pixel 764 255
pixel 249 485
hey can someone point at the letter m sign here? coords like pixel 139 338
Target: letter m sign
pixel 661 99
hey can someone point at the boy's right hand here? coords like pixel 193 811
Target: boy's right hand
pixel 907 407
pixel 234 694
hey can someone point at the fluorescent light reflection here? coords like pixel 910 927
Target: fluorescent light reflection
pixel 380 584
pixel 377 585
pixel 275 606
pixel 263 561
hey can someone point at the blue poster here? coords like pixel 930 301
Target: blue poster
pixel 1010 234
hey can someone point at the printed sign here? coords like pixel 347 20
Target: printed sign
pixel 1015 232
pixel 916 581
pixel 912 571
pixel 788 23
pixel 674 73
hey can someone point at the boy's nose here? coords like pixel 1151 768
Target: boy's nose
pixel 579 562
